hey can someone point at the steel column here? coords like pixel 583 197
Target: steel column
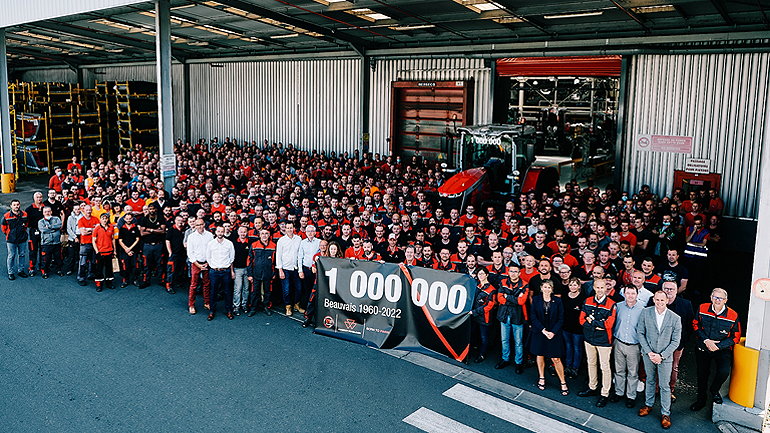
pixel 5 110
pixel 165 100
pixel 187 110
pixel 758 326
pixel 617 178
pixel 366 74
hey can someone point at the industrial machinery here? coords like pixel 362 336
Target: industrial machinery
pixel 493 162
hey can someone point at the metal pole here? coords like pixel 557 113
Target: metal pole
pixel 365 101
pixel 5 110
pixel 621 123
pixel 165 101
pixel 758 326
pixel 187 109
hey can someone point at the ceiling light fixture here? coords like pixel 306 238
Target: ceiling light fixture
pixel 410 28
pixel 573 15
pixel 654 9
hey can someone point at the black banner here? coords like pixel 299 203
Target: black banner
pixel 394 306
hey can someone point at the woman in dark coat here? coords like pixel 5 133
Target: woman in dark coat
pixel 481 312
pixel 547 340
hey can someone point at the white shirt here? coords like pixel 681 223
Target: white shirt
pixel 659 318
pixel 307 250
pixel 287 253
pixel 196 246
pixel 220 254
pixel 643 296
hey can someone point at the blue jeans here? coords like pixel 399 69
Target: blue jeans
pixel 16 253
pixel 506 329
pixel 220 282
pixel 573 344
pixel 289 284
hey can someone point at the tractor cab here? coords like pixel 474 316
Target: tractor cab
pixel 489 163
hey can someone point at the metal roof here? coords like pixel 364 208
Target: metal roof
pixel 240 28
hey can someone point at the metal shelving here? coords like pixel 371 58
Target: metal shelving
pixel 137 114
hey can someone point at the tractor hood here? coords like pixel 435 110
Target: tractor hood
pixel 461 182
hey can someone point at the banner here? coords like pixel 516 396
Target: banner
pixel 394 306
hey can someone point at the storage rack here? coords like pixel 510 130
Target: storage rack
pixel 59 105
pixel 137 114
pixel 87 122
pixel 108 121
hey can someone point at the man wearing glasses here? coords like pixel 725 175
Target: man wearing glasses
pixel 717 330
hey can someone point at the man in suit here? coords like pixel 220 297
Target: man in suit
pixel 659 331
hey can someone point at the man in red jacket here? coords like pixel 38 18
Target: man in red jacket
pixel 598 318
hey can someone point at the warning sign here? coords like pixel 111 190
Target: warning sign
pixel 664 143
pixel 697 166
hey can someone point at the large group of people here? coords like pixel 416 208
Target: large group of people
pixel 567 278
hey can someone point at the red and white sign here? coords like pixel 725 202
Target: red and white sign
pixel 664 143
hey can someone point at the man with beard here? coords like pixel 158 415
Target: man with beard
pixel 220 254
pixel 152 229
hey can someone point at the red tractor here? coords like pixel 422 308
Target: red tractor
pixel 493 162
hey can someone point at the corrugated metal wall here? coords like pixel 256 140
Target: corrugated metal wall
pixel 446 69
pixel 53 75
pixel 146 73
pixel 314 104
pixel 720 100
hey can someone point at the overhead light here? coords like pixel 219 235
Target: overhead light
pixel 289 35
pixel 242 13
pixel 414 27
pixel 82 45
pixel 486 6
pixel 378 16
pixel 115 50
pixel 479 6
pixel 368 14
pixel 654 9
pixel 328 2
pixel 37 36
pixel 187 22
pixel 573 15
pixel 507 20
pixel 198 43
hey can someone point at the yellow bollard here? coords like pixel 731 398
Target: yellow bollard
pixel 7 183
pixel 743 379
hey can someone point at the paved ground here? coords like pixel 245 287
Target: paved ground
pixel 130 360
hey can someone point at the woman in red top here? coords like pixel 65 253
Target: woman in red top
pixel 104 249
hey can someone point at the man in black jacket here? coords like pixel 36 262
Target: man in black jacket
pixel 260 272
pixel 717 330
pixel 14 227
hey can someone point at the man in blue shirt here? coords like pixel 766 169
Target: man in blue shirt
pixel 626 346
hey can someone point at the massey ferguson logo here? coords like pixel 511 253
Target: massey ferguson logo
pixel 328 322
pixel 350 323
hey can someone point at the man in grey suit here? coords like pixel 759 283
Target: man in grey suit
pixel 659 331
